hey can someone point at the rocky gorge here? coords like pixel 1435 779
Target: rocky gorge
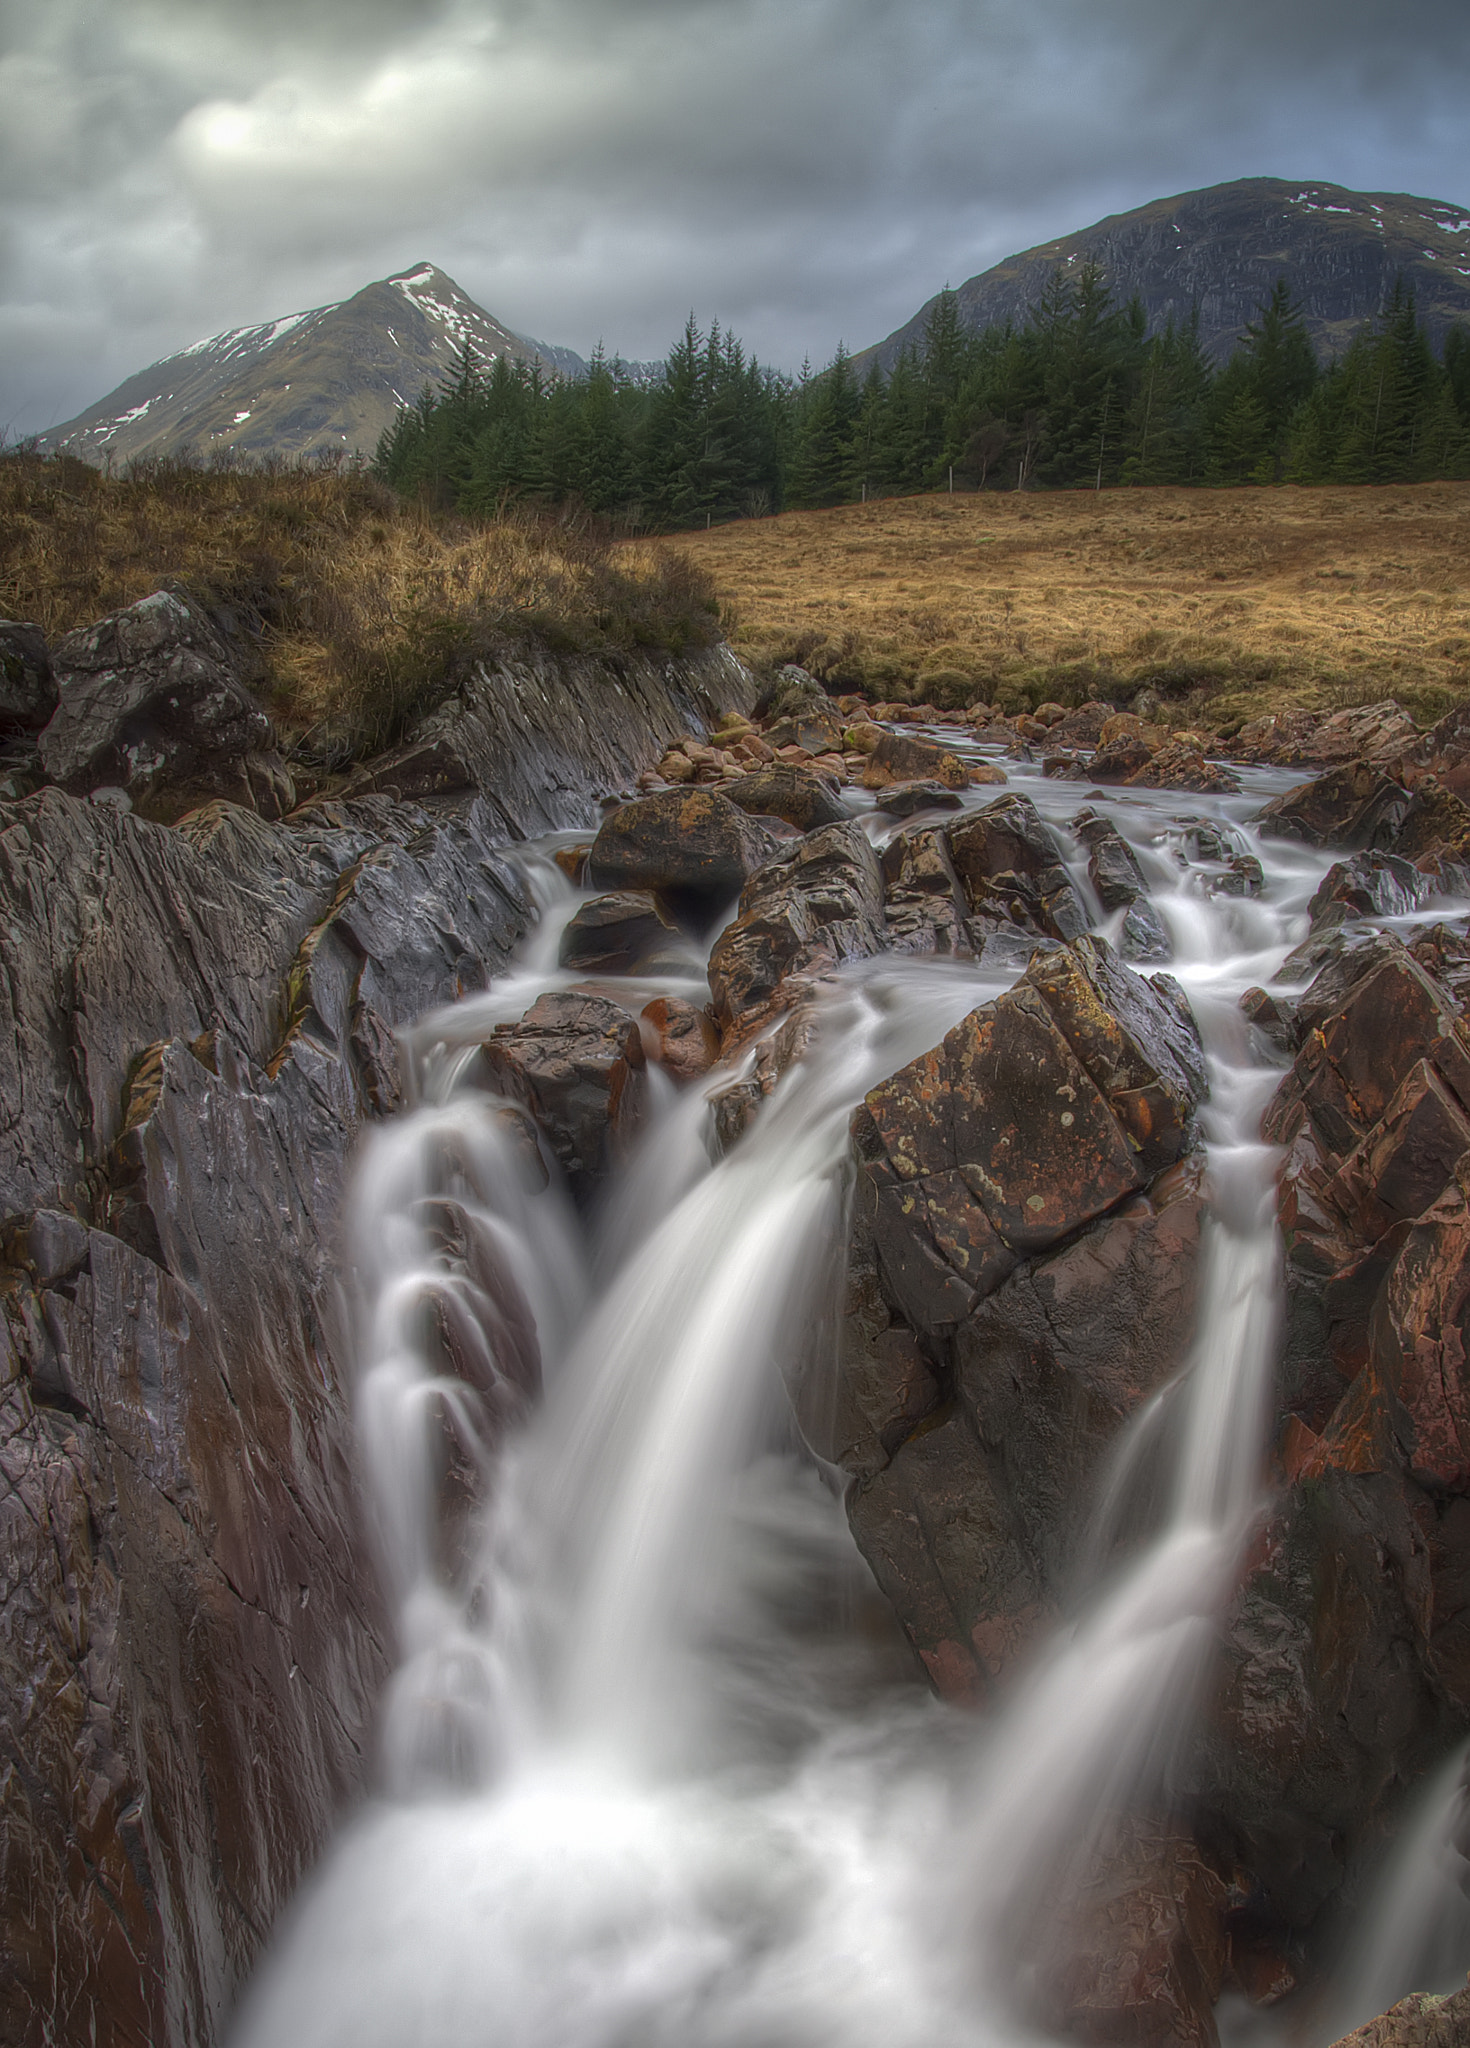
pixel 938 1060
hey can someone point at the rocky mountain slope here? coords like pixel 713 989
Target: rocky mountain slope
pixel 1223 248
pixel 329 378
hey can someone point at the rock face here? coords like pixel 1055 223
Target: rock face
pixel 1022 1271
pixel 619 934
pixel 194 1023
pixel 1010 867
pixel 149 702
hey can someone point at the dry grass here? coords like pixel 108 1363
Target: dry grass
pixel 359 612
pixel 1225 602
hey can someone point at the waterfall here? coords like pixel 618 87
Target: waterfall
pixel 656 1773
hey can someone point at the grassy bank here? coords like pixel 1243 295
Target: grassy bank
pixel 1225 602
pixel 359 611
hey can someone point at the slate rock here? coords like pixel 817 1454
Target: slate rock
pixel 680 1036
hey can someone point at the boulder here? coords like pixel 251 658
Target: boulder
pixel 577 1064
pixel 783 791
pixel 1113 870
pixel 1009 865
pixel 904 799
pixel 683 1039
pixel 625 933
pixel 693 846
pixel 897 758
pixel 1354 806
pixel 923 907
pixel 27 689
pixel 815 727
pixel 149 702
pixel 809 906
pixel 1369 885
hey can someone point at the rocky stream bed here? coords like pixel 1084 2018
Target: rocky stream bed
pixel 767 1128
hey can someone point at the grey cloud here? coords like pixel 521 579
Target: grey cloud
pixel 806 169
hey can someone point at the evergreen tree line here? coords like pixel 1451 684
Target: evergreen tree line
pixel 1079 395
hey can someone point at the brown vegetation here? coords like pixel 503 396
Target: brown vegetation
pixel 1225 602
pixel 360 611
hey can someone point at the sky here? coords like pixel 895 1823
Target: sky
pixel 806 171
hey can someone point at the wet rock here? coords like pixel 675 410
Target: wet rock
pixel 1443 752
pixel 577 1064
pixel 1181 763
pixel 816 727
pixel 1273 1017
pixel 1082 727
pixel 694 846
pixel 1120 759
pixel 149 701
pixel 625 933
pixel 903 799
pixel 1362 732
pixel 1010 867
pixel 1113 869
pixel 683 1039
pixel 898 759
pixel 774 1053
pixel 1420 2021
pixel 790 692
pixel 1355 806
pixel 27 690
pixel 806 908
pixel 971 1523
pixel 1370 885
pixel 923 907
pixel 782 791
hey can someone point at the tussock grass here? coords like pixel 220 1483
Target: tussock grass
pixel 1225 603
pixel 358 612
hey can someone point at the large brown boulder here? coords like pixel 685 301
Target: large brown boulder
pixel 692 845
pixel 577 1063
pixel 1003 1245
pixel 898 758
pixel 149 701
pixel 782 790
pixel 624 933
pixel 1353 806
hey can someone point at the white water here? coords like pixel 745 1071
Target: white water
pixel 655 1775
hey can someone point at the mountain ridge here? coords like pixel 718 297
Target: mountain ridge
pixel 330 378
pixel 1223 247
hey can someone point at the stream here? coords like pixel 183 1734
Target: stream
pixel 656 1766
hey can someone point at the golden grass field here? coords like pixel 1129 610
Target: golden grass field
pixel 1226 602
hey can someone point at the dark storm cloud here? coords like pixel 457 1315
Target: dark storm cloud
pixel 808 169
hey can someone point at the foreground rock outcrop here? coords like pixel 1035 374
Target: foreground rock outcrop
pixel 197 1020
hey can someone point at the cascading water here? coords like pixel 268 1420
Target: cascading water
pixel 656 1774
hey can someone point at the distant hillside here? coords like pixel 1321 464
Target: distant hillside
pixel 1224 248
pixel 333 377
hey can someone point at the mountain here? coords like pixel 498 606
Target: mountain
pixel 330 378
pixel 1223 249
